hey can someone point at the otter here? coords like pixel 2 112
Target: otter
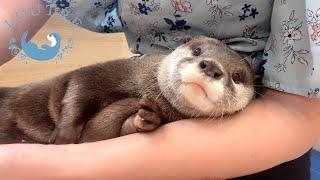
pixel 201 78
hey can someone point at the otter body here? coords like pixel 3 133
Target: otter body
pixel 121 97
pixel 30 113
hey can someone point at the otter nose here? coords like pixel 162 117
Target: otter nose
pixel 211 69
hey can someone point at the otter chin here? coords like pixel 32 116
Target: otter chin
pixel 205 78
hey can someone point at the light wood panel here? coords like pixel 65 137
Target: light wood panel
pixel 88 48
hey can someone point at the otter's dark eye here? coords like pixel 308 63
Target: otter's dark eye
pixel 237 78
pixel 197 52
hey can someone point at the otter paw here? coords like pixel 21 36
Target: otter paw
pixel 149 104
pixel 65 136
pixel 149 117
pixel 146 121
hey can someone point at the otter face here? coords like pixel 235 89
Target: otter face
pixel 206 78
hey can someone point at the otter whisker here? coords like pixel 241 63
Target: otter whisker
pixel 258 93
pixel 210 117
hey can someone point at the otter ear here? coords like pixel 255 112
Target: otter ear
pixel 200 37
pixel 187 39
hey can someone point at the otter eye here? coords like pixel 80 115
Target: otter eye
pixel 237 78
pixel 197 52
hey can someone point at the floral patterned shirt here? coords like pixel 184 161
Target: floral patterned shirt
pixel 279 38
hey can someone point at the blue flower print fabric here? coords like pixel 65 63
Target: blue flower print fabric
pixel 293 49
pixel 279 38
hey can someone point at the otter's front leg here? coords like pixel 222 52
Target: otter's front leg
pixel 79 104
pixel 108 122
pixel 69 126
pixel 148 118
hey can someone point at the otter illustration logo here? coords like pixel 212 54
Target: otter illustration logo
pixel 43 53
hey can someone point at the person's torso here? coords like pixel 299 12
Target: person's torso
pixel 156 25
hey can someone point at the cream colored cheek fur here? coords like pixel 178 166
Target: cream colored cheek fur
pixel 204 101
pixel 175 58
pixel 243 96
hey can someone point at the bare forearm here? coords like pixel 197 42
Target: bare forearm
pixel 251 141
pixel 15 18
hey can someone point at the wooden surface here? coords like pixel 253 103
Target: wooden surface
pixel 89 48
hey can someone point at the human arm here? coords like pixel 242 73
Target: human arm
pixel 11 27
pixel 272 130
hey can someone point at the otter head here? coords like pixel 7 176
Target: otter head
pixel 206 78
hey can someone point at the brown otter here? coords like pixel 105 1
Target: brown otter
pixel 202 78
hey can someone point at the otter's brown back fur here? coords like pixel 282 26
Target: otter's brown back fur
pixel 32 112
